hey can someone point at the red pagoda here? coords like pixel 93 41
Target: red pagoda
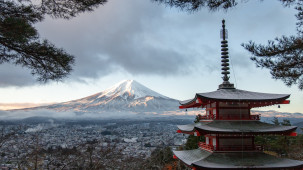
pixel 230 128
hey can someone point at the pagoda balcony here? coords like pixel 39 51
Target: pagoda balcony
pixel 211 148
pixel 240 148
pixel 236 117
pixel 212 117
pixel 205 146
pixel 206 117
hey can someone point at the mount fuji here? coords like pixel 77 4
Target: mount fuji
pixel 127 96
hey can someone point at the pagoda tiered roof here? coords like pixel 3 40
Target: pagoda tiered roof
pixel 201 159
pixel 229 127
pixel 236 127
pixel 255 99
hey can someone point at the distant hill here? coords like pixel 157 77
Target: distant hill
pixel 268 116
pixel 300 126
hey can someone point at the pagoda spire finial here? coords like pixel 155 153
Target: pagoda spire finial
pixel 225 59
pixel 223 31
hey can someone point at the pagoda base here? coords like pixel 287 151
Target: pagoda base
pixel 200 159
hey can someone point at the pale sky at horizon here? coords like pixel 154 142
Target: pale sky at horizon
pixel 172 52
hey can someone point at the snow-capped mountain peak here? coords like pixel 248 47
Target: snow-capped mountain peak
pixel 125 96
pixel 129 88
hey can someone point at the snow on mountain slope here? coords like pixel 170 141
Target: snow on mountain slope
pixel 128 95
pixel 131 87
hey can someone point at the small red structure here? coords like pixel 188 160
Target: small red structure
pixel 230 128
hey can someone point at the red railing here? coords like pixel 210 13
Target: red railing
pixel 211 117
pixel 236 148
pixel 205 146
pixel 209 147
pixel 236 117
pixel 206 117
pixel 240 148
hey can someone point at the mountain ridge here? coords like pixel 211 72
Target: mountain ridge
pixel 127 95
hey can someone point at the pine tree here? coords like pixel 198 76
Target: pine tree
pixel 192 141
pixel 20 43
pixel 275 121
pixel 278 144
pixel 286 122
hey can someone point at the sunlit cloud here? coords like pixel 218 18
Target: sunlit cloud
pixel 12 106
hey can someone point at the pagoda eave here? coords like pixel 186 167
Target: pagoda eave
pixel 252 103
pixel 241 95
pixel 254 99
pixel 241 133
pixel 236 128
pixel 185 132
pixel 200 159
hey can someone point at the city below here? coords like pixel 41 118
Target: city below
pixel 37 141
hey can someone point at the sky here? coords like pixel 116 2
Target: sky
pixel 173 52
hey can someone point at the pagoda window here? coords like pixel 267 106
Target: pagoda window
pixel 214 142
pixel 207 140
